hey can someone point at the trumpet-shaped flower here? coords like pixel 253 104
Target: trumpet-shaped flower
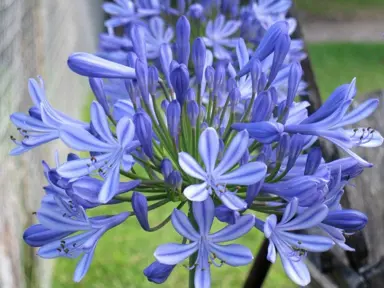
pixel 206 244
pixel 112 153
pixel 216 177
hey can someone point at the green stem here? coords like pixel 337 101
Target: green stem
pixel 249 108
pixel 149 198
pixel 166 220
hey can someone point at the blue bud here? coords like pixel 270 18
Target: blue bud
pixel 234 97
pixel 349 220
pixel 181 6
pixel 262 107
pixel 198 57
pixel 157 272
pixel 281 51
pixel 255 75
pixel 282 147
pixel 226 215
pixel 183 32
pixel 165 60
pixel 196 11
pixel 274 95
pixel 131 59
pixel 143 125
pixel 209 76
pixel 164 105
pixel 262 82
pixel 231 84
pixel 294 78
pixel 138 42
pixel 153 78
pixel 193 112
pixel 267 44
pixel 190 94
pixel 265 132
pixel 219 79
pixel 174 179
pixel 296 146
pixel 140 207
pixel 133 91
pixel 166 167
pixel 97 87
pixel 180 82
pixel 93 66
pixel 142 79
pixel 313 161
pixel 173 118
pixel 253 190
pixel 349 166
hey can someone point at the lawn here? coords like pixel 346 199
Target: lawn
pixel 338 8
pixel 124 251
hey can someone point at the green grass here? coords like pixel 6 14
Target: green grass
pixel 123 252
pixel 337 63
pixel 329 8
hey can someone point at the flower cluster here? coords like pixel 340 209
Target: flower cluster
pixel 202 115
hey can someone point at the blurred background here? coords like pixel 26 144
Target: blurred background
pixel 344 40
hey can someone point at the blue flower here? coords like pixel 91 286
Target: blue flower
pixel 54 238
pixel 217 35
pixel 157 34
pixel 292 247
pixel 113 152
pixel 158 273
pixel 206 244
pixel 43 123
pixel 216 177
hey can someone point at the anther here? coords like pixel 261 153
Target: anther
pixel 12 138
pixel 66 250
pixel 33 213
pixel 62 241
pixel 93 159
pixel 58 249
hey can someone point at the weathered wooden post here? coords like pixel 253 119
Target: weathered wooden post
pixel 36 37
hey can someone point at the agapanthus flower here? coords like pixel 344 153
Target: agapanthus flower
pixel 220 133
pixel 206 244
pixel 217 36
pixel 112 153
pixel 216 177
pixel 43 123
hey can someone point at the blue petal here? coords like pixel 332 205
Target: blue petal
pixel 290 210
pixel 36 92
pixel 82 167
pixel 313 243
pixel 196 192
pixel 172 253
pixel 26 122
pixel 83 265
pixel 56 221
pixel 309 218
pixel 204 212
pixel 242 53
pixel 359 113
pixel 190 166
pixel 271 256
pixel 93 66
pixel 100 123
pixel 297 271
pixel 209 148
pixel 182 225
pixel 125 131
pixel 82 140
pixel 37 235
pixel 233 153
pixel 270 225
pixel 247 174
pixel 140 207
pixel 233 254
pixel 50 250
pixel 232 201
pixel 242 226
pixel 110 186
pixel 264 132
pixel 40 139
